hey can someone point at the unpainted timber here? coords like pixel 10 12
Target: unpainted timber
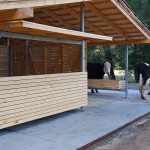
pixel 50 31
pixel 28 98
pixel 16 14
pixel 15 4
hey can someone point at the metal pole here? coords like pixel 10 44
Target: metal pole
pixel 126 72
pixel 27 58
pixel 82 45
pixel 9 57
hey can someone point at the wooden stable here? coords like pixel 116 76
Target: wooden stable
pixel 54 83
pixel 41 56
pixel 106 84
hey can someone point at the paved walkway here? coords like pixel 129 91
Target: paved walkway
pixel 106 111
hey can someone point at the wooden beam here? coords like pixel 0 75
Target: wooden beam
pixel 5 5
pixel 44 30
pixel 87 23
pixel 131 19
pixel 146 41
pixel 16 14
pixel 100 15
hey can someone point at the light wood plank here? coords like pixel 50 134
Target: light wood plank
pixel 16 14
pixel 39 29
pixel 38 96
pixel 107 84
pixel 44 114
pixel 14 4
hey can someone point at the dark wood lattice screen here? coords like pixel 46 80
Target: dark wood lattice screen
pixel 4 61
pixel 46 58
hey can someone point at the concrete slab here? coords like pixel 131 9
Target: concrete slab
pixel 106 111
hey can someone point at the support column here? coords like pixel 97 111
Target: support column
pixel 27 57
pixel 126 72
pixel 82 45
pixel 9 57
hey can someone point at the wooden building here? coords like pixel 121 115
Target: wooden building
pixel 43 53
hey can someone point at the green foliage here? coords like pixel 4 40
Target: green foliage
pixel 141 8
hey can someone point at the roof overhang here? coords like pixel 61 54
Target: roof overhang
pixel 50 31
pixel 110 18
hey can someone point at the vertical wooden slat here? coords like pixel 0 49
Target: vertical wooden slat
pixel 32 61
pixel 57 60
pixel 62 58
pixel 77 61
pixel 21 64
pixel 45 59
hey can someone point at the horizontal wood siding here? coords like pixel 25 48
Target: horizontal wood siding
pixel 32 97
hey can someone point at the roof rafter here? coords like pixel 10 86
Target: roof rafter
pixel 57 18
pixel 105 19
pixel 38 18
pixel 87 23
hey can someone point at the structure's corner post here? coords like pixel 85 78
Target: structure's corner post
pixel 27 57
pixel 83 43
pixel 126 72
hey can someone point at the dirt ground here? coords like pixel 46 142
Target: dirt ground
pixel 134 137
